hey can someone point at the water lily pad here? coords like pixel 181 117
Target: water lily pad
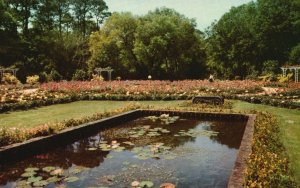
pixel 137 149
pixel 147 184
pixel 40 183
pixel 105 149
pixel 48 168
pixel 166 147
pixel 167 185
pixel 92 149
pixel 134 136
pixel 61 186
pixel 165 131
pixel 23 184
pixel 53 179
pixel 135 184
pixel 129 143
pixel 57 172
pixel 34 179
pixel 103 142
pixel 31 169
pixel 104 145
pixel 170 157
pixel 71 179
pixel 119 149
pixel 75 171
pixel 134 166
pixel 28 174
pixel 142 157
pixel 109 156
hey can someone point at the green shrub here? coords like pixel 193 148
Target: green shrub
pixel 80 75
pixel 97 78
pixel 10 79
pixel 32 80
pixel 54 76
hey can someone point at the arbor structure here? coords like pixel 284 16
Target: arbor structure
pixel 107 69
pixel 9 70
pixel 294 68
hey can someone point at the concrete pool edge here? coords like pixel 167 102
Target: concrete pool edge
pixel 29 147
pixel 35 145
pixel 237 178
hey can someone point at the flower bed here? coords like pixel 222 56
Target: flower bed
pixel 63 92
pixel 268 165
pixel 15 135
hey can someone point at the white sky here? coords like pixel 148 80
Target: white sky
pixel 204 11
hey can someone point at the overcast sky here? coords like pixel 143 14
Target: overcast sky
pixel 204 11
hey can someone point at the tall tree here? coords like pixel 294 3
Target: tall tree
pixel 113 44
pixel 166 43
pixel 231 43
pixel 45 16
pixel 85 11
pixel 163 43
pixel 247 38
pixel 9 39
pixel 275 29
pixel 24 11
pixel 64 18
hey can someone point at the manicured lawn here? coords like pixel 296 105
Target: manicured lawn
pixel 56 113
pixel 289 121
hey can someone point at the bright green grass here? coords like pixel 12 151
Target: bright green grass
pixel 59 112
pixel 289 121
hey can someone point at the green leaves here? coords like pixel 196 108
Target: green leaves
pixel 163 44
pixel 146 184
pixel 71 179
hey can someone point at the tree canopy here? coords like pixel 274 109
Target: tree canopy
pixel 48 37
pixel 248 37
pixel 65 39
pixel 162 43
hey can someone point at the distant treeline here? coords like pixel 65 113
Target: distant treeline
pixel 67 39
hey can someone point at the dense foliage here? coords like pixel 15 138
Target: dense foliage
pixel 67 39
pixel 48 37
pixel 163 44
pixel 255 38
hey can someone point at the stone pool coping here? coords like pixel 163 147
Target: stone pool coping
pixel 30 147
pixel 237 178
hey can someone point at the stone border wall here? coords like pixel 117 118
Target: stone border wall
pixel 33 146
pixel 237 178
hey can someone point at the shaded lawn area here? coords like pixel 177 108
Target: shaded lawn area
pixel 289 122
pixel 60 112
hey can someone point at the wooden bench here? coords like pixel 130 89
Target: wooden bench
pixel 215 100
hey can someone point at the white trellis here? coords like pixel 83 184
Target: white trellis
pixel 8 70
pixel 292 68
pixel 107 69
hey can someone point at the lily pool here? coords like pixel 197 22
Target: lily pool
pixel 148 152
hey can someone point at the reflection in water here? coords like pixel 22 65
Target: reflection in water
pixel 199 161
